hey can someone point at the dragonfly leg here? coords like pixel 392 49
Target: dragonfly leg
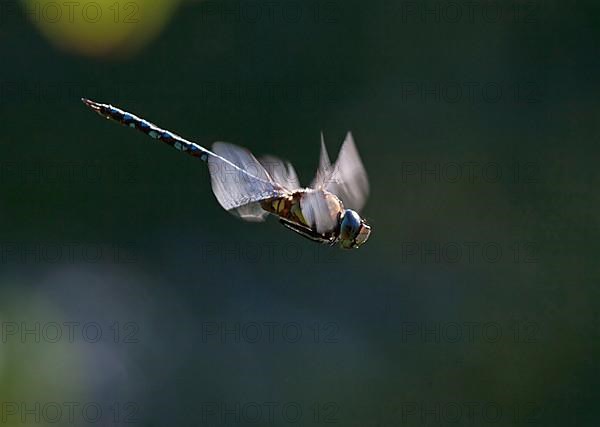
pixel 307 232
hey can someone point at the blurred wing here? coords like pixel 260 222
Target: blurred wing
pixel 283 173
pixel 239 181
pixel 251 212
pixel 319 211
pixel 325 168
pixel 348 179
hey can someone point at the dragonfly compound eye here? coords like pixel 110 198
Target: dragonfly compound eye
pixel 349 228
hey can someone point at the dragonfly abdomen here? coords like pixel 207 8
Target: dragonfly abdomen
pixel 150 129
pixel 287 207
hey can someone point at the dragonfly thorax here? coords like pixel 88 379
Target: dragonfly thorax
pixel 326 220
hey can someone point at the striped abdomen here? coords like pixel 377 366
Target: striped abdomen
pixel 150 129
pixel 287 207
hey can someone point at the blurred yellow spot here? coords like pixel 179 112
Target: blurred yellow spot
pixel 35 366
pixel 100 27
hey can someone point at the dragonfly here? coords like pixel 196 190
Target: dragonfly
pixel 326 212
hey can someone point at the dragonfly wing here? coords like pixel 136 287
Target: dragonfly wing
pixel 239 180
pixel 251 212
pixel 325 168
pixel 319 211
pixel 348 179
pixel 283 173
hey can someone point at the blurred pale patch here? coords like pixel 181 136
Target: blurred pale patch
pixel 35 368
pixel 114 28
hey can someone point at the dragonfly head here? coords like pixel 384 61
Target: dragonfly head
pixel 354 231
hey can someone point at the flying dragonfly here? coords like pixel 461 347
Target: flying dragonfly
pixel 251 188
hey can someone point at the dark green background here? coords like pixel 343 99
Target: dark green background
pixel 210 78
